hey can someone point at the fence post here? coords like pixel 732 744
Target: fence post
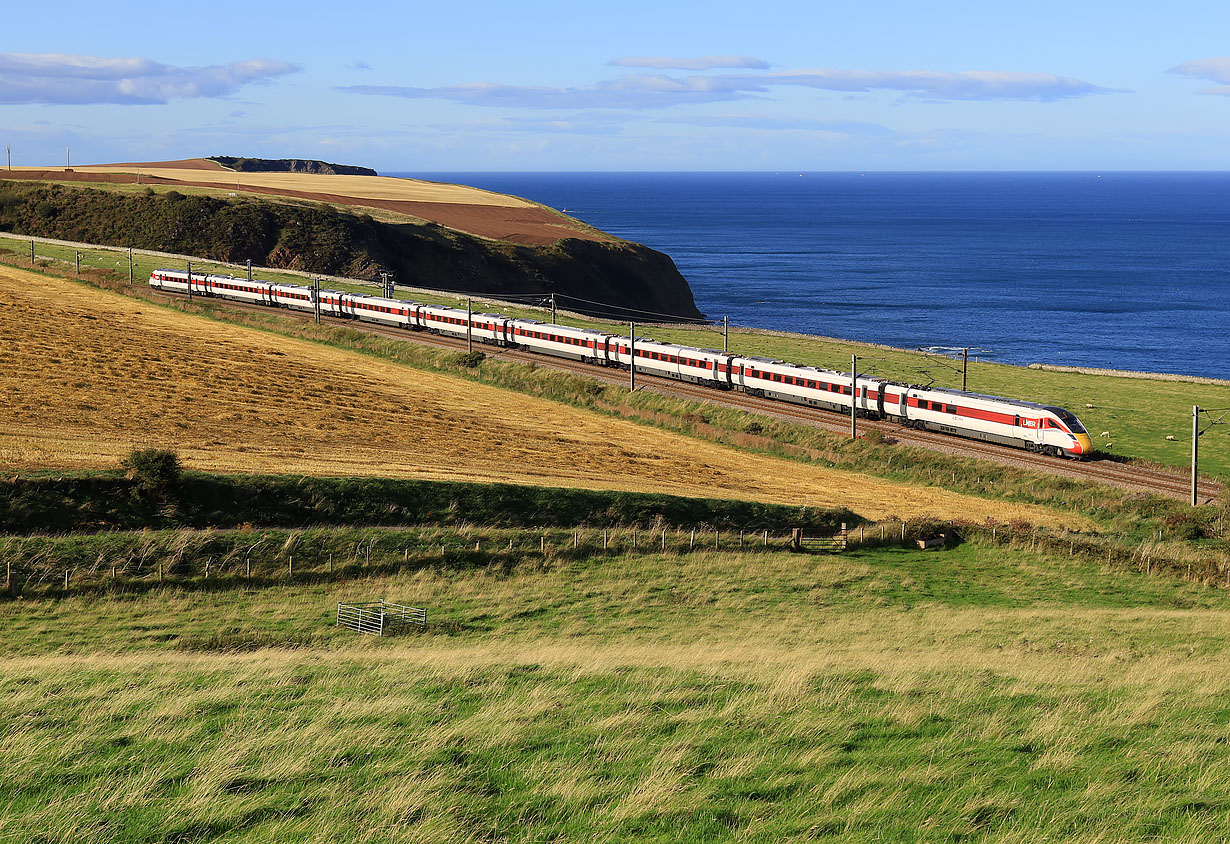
pixel 66 572
pixel 766 539
pixel 604 540
pixel 664 540
pixel 692 541
pixel 247 568
pixel 31 253
pixel 576 539
pixel 542 545
pixel 633 537
pixel 716 540
pixel 160 572
pixel 290 565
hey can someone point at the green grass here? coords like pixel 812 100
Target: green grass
pixel 978 694
pixel 1138 413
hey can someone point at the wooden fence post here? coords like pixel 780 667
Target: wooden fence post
pixel 664 540
pixel 66 574
pixel 766 539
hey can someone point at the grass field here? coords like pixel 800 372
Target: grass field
pixel 969 695
pixel 1139 414
pixel 89 380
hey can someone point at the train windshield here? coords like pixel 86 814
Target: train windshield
pixel 1068 419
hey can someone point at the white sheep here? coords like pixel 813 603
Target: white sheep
pixel 1104 434
pixel 1170 437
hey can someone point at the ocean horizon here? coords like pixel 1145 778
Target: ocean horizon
pixel 1117 270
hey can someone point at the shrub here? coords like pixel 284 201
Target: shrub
pixel 173 196
pixel 469 360
pixel 156 471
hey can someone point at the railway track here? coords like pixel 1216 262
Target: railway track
pixel 1142 479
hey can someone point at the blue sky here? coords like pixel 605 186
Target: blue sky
pixel 630 86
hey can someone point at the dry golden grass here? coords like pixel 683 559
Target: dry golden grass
pixel 90 375
pixel 361 187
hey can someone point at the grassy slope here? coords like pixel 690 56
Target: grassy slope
pixel 1138 413
pixel 888 695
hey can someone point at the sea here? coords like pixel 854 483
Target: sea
pixel 1111 270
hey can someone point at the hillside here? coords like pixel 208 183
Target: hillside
pixel 143 375
pixel 429 235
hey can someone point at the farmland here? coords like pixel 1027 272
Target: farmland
pixel 975 694
pixel 91 379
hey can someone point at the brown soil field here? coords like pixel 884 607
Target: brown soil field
pixel 483 213
pixel 90 374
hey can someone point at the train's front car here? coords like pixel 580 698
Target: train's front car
pixel 1066 433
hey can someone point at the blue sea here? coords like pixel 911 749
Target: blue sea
pixel 1118 270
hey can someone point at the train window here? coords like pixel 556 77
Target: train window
pixel 952 408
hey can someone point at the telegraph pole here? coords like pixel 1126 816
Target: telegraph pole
pixel 68 156
pixel 9 149
pixel 1195 447
pixel 77 258
pixel 632 357
pixel 130 265
pixel 189 281
pixel 249 270
pixel 316 297
pixel 725 334
pixel 553 309
pixel 964 366
pixel 469 328
pixel 853 396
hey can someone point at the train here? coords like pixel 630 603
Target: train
pixel 1034 427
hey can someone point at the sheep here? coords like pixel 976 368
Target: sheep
pixel 1104 434
pixel 1170 437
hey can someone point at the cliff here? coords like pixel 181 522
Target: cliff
pixel 289 165
pixel 333 240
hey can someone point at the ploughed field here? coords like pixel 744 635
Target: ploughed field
pixel 91 374
pixel 979 694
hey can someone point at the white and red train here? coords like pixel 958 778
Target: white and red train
pixel 1034 427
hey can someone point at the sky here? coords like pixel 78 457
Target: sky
pixel 632 86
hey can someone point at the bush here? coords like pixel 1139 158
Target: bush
pixel 156 471
pixel 173 196
pixel 469 360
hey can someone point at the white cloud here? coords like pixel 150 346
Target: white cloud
pixel 59 79
pixel 631 91
pixel 699 63
pixel 1214 70
pixel 943 85
pixel 640 91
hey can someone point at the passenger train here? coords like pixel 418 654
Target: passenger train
pixel 1012 422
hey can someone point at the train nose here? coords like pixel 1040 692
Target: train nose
pixel 1083 444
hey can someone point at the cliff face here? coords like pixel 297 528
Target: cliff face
pixel 593 277
pixel 289 165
